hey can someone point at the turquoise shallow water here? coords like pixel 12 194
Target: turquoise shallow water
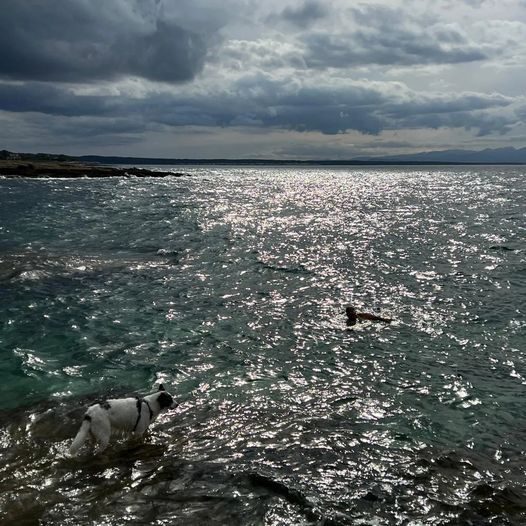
pixel 229 286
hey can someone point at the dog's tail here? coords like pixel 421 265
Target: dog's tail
pixel 81 435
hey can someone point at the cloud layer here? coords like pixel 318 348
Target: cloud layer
pixel 127 69
pixel 388 36
pixel 80 41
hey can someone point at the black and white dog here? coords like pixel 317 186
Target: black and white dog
pixel 125 414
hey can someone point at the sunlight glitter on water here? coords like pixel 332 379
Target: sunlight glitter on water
pixel 230 288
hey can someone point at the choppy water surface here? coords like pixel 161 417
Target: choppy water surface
pixel 229 287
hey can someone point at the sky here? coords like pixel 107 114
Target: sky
pixel 287 79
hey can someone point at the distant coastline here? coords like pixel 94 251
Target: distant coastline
pixel 511 156
pixel 275 162
pixel 33 167
pixel 58 165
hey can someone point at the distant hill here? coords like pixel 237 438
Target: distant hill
pixel 488 156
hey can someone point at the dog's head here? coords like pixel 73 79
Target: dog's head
pixel 165 399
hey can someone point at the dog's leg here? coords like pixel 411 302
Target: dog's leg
pixel 82 435
pixel 101 431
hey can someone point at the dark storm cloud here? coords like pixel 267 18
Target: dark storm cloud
pixel 395 48
pixel 261 101
pixel 385 37
pixel 305 14
pixel 41 132
pixel 370 110
pixel 483 122
pixel 329 109
pixel 80 41
pixel 90 127
pixel 471 111
pixel 441 104
pixel 51 100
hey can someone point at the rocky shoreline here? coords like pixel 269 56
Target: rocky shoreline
pixel 72 170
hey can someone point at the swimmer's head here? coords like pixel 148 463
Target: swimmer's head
pixel 352 316
pixel 350 311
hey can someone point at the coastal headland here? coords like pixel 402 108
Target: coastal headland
pixel 54 168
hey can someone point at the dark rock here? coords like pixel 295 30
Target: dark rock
pixel 76 170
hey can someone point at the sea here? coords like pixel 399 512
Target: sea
pixel 229 287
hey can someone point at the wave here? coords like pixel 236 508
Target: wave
pixel 37 266
pixel 300 269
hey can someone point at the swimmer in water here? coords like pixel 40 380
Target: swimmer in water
pixel 353 316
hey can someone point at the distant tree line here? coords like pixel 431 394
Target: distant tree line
pixel 6 155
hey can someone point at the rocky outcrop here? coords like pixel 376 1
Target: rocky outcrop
pixel 17 168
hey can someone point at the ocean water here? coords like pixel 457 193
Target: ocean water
pixel 229 287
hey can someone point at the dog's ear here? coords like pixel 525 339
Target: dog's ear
pixel 161 387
